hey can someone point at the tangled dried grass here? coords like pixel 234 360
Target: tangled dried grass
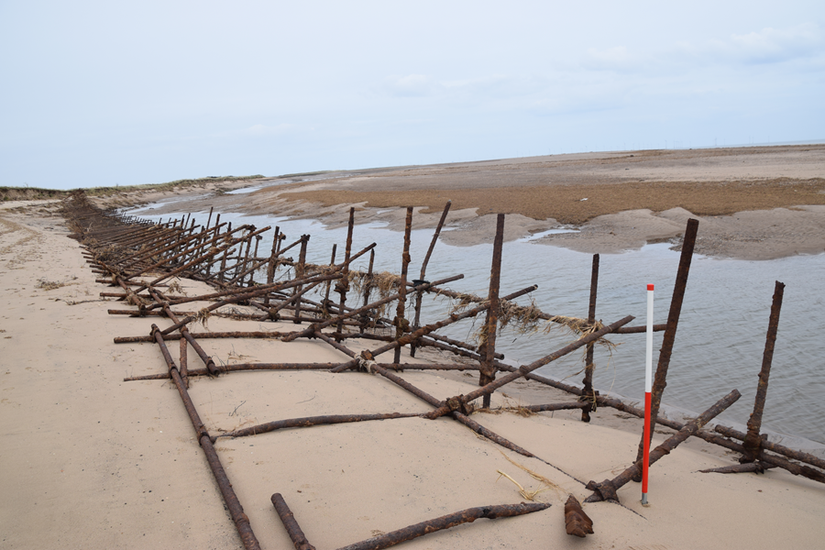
pixel 385 282
pixel 43 284
pixel 531 495
pixel 202 317
pixel 516 409
pixel 108 254
pixel 527 320
pixel 175 287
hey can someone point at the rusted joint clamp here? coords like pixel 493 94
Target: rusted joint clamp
pixel 605 491
pixel 365 361
pixel 456 403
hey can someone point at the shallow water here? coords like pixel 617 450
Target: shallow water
pixel 721 335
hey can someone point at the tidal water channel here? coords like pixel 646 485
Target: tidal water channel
pixel 721 335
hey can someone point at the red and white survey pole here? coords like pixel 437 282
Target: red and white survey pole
pixel 648 389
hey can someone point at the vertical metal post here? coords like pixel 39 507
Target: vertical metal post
pixel 753 439
pixel 270 269
pixel 254 260
pixel 325 304
pixel 368 285
pixel 588 394
pixel 401 324
pixel 299 273
pixel 488 351
pixel 419 294
pixel 660 379
pixel 343 285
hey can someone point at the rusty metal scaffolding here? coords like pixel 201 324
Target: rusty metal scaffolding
pixel 142 259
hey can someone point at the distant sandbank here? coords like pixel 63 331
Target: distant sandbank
pixel 753 202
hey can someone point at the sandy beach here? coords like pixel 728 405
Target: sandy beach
pixel 92 461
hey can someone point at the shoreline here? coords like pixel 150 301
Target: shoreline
pixel 755 203
pixel 116 464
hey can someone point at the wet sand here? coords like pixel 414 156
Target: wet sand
pixel 754 202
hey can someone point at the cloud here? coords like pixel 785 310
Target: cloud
pixel 768 45
pixel 776 45
pixel 412 85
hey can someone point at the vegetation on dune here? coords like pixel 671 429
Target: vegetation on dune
pixel 35 193
pixel 168 186
pixel 30 193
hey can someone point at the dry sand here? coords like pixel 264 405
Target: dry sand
pixel 91 461
pixel 753 203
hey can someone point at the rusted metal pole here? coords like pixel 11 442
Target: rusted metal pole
pixel 487 369
pixel 423 331
pixel 270 268
pixel 422 276
pixel 660 379
pixel 753 440
pixel 239 367
pixel 227 249
pixel 248 294
pixel 240 519
pixel 526 369
pixel 489 434
pixel 460 344
pixel 458 413
pixel 299 273
pixel 401 324
pixel 554 406
pixel 445 522
pixel 343 285
pixel 184 363
pixel 588 395
pixel 169 248
pixel 187 337
pixel 245 291
pixel 198 260
pixel 294 531
pixel 325 303
pixel 155 251
pixel 607 489
pixel 619 405
pixel 255 261
pixel 755 467
pixel 356 312
pixel 368 287
pixel 240 266
pixel 773 447
pixel 310 421
pixel 293 301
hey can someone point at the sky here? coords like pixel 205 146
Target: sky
pixel 124 93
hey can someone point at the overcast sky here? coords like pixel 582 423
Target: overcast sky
pixel 111 92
